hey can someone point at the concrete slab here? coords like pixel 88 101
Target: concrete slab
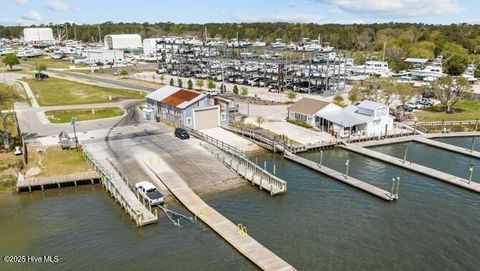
pixel 297 133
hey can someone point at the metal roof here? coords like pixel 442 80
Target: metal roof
pixel 342 118
pixel 370 105
pixel 162 93
pixel 416 60
pixel 307 106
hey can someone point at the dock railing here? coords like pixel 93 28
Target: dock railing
pixel 214 141
pixel 106 180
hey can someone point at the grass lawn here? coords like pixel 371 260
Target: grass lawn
pixel 64 116
pixel 51 63
pixel 56 161
pixel 10 165
pixel 465 110
pixel 54 91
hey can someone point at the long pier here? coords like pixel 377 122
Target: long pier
pixel 442 176
pixel 371 189
pixel 118 188
pixel 236 236
pixel 448 147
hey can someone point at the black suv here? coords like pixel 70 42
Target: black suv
pixel 181 133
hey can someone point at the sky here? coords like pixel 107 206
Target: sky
pixel 27 12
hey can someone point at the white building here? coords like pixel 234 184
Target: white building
pixel 366 119
pixel 103 56
pixel 38 35
pixel 123 41
pixel 150 46
pixel 307 110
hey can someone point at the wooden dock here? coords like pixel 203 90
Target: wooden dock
pixel 251 172
pixel 448 147
pixel 75 179
pixel 442 176
pixel 373 190
pixel 236 236
pixel 117 186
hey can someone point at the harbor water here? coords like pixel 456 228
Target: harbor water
pixel 319 224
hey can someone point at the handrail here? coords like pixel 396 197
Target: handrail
pixel 108 177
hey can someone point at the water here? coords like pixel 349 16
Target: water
pixel 320 224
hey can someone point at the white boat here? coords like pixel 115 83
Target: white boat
pixel 29 52
pixel 430 72
pixel 259 43
pixel 278 44
pixel 6 51
pixel 469 73
pixel 377 68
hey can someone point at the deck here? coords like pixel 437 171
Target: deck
pixel 57 181
pixel 442 176
pixel 371 189
pixel 239 239
pixel 448 147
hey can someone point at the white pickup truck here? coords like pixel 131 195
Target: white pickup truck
pixel 149 192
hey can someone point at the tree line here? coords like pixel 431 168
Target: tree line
pixel 458 43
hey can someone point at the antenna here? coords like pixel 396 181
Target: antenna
pixel 384 48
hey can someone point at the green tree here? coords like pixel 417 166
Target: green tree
pixel 450 90
pixel 211 84
pixel 10 60
pixel 291 95
pixel 172 82
pixel 406 92
pixel 338 100
pixel 235 89
pixel 260 119
pixel 179 83
pixel 200 83
pixel 124 73
pixel 244 91
pixel 8 95
pixel 190 84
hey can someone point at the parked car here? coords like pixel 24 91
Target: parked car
pixel 414 105
pixel 426 101
pixel 41 75
pixel 212 92
pixel 149 193
pixel 181 133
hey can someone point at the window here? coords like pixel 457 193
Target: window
pixel 223 116
pixel 189 121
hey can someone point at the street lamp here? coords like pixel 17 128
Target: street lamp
pixel 347 164
pixel 471 174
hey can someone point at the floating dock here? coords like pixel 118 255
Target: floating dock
pixel 373 190
pixel 237 236
pixel 442 176
pixel 448 147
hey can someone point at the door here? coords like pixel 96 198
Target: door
pixel 205 118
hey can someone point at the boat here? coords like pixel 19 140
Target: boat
pixel 377 68
pixel 278 44
pixel 430 72
pixel 469 73
pixel 29 52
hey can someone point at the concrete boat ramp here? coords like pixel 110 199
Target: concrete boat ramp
pixel 237 236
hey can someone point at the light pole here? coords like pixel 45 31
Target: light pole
pixel 347 164
pixel 471 174
pixel 473 145
pixel 406 152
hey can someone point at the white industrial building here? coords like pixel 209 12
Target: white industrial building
pixel 38 35
pixel 150 46
pixel 104 56
pixel 123 41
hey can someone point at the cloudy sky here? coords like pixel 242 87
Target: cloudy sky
pixel 24 12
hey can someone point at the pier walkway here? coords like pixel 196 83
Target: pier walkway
pixel 250 171
pixel 117 186
pixel 373 190
pixel 448 147
pixel 237 236
pixel 442 176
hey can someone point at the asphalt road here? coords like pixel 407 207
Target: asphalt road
pixel 103 80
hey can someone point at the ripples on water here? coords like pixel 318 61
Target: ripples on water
pixel 320 224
